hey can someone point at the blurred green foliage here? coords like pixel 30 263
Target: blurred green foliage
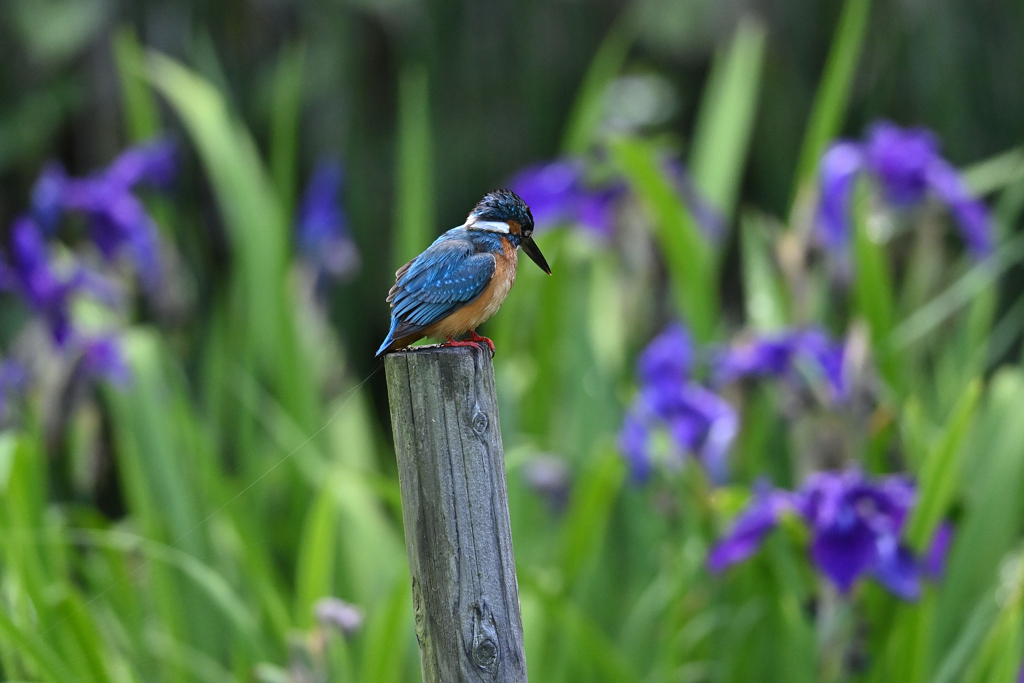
pixel 184 528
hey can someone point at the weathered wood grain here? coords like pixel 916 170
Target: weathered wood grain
pixel 444 412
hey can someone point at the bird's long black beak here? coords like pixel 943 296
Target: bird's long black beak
pixel 531 249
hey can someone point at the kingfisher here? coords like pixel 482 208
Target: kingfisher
pixel 462 279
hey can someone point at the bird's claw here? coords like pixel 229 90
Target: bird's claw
pixel 474 341
pixel 474 337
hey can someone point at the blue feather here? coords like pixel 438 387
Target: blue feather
pixel 451 273
pixel 390 338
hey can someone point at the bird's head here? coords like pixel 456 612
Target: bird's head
pixel 504 212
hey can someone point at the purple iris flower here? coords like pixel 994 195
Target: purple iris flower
pixel 840 167
pixel 321 227
pixel 32 276
pixel 48 197
pixel 595 209
pixel 697 420
pixel 557 193
pixel 119 223
pixel 14 378
pixel 750 527
pixel 634 443
pixel 154 164
pixel 899 158
pixel 338 614
pixel 35 279
pixel 707 216
pixel 907 167
pixel 938 552
pixel 103 358
pixel 551 190
pixel 783 355
pixel 855 523
pixel 668 358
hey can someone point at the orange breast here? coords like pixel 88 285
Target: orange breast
pixel 473 314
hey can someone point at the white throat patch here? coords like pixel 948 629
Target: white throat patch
pixel 489 226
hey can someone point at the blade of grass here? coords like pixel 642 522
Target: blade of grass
pixel 284 124
pixel 998 658
pixel 140 110
pixel 588 109
pixel 36 650
pixel 907 651
pixel 81 640
pixel 314 567
pixel 257 228
pixel 993 506
pixel 586 521
pixel 995 173
pixel 1002 335
pixel 834 90
pixel 968 642
pixel 414 194
pixel 959 294
pixel 216 588
pixel 24 496
pixel 939 474
pixel 201 668
pixel 763 289
pixel 389 640
pixel 874 294
pixel 690 259
pixel 595 654
pixel 725 119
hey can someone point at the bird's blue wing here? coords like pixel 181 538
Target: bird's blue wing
pixel 447 276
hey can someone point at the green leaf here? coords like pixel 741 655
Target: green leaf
pixel 952 664
pixel 588 110
pixel 36 650
pixel 998 658
pixel 256 226
pixel 874 294
pixel 995 173
pixel 388 637
pixel 907 651
pixel 81 639
pixel 690 259
pixel 260 329
pixel 213 585
pixel 140 110
pixel 958 295
pixel 939 474
pixel 764 293
pixel 414 201
pixel 725 120
pixel 586 521
pixel 833 96
pixel 993 502
pixel 284 124
pixel 314 567
pixel 588 649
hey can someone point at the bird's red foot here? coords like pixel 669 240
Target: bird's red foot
pixel 474 337
pixel 474 340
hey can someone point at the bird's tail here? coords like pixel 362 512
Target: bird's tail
pixel 390 339
pixel 401 334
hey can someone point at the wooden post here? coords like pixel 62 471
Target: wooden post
pixel 444 412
